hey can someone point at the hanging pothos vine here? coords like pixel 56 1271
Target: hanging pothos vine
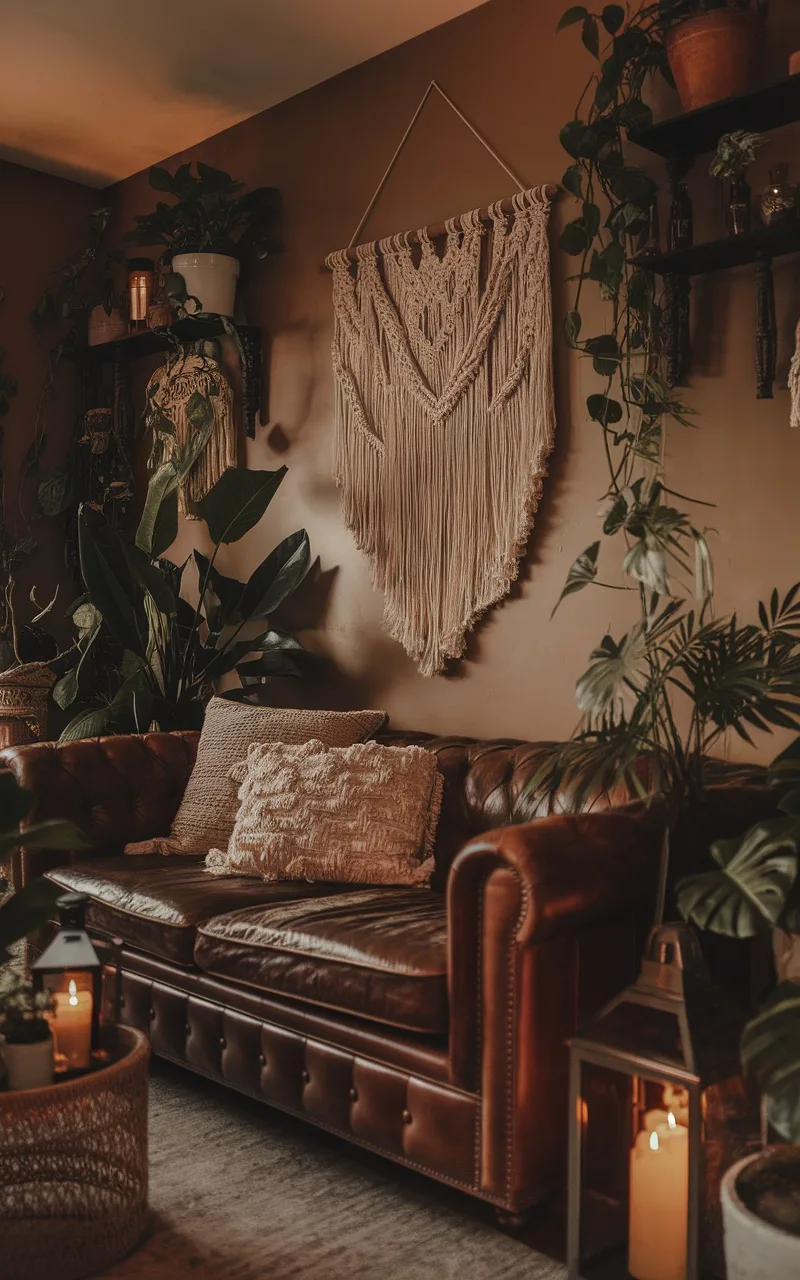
pixel 729 676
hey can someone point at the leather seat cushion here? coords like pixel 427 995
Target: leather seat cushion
pixel 377 953
pixel 155 903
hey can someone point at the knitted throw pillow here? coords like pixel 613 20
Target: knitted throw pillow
pixel 209 806
pixel 365 814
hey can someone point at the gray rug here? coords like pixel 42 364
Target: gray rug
pixel 241 1192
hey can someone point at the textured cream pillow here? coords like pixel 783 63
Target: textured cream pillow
pixel 365 814
pixel 209 806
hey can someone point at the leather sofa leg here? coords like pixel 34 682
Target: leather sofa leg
pixel 513 1223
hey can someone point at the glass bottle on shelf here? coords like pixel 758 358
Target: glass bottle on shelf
pixel 778 202
pixel 680 234
pixel 738 214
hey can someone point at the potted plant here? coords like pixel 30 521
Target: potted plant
pixel 27 1042
pixel 173 652
pixel 756 890
pixel 210 224
pixel 712 47
pixel 735 152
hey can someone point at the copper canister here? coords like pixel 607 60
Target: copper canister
pixel 140 290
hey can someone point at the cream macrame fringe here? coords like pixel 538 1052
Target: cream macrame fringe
pixel 444 416
pixel 168 393
pixel 794 383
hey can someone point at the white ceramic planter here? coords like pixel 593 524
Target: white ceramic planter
pixel 754 1249
pixel 29 1066
pixel 211 278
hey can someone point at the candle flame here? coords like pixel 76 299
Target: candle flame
pixel 654 1141
pixel 671 1121
pixel 73 992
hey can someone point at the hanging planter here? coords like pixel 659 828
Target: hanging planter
pixel 712 55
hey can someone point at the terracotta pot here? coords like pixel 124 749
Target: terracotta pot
pixel 712 56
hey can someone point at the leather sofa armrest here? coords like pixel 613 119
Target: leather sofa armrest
pixel 533 885
pixel 115 790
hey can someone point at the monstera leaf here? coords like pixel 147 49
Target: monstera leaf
pixel 749 893
pixel 771 1050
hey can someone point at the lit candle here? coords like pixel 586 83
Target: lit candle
pixel 659 1200
pixel 73 1026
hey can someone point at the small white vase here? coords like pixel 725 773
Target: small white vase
pixel 29 1066
pixel 754 1249
pixel 211 278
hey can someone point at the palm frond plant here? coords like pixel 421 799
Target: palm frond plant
pixel 172 652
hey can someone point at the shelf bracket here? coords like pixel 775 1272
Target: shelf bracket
pixel 766 329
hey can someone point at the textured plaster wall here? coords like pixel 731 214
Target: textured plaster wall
pixel 326 150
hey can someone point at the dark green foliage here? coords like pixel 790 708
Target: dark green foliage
pixel 209 213
pixel 172 652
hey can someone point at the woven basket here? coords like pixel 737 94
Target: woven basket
pixel 23 703
pixel 73 1169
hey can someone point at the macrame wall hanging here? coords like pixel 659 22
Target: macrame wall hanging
pixel 794 382
pixel 169 391
pixel 444 409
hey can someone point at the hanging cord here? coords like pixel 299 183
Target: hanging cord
pixel 378 190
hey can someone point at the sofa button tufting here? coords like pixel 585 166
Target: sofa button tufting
pixel 262 1062
pixel 152 1014
pixel 353 1095
pixel 222 1043
pixel 306 1077
pixel 406 1117
pixel 188 1029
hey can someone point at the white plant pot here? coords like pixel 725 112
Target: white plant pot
pixel 29 1066
pixel 754 1249
pixel 211 278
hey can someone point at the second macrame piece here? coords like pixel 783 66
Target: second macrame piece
pixel 444 415
pixel 169 392
pixel 794 383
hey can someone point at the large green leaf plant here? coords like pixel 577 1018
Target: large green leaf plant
pixel 754 889
pixel 173 652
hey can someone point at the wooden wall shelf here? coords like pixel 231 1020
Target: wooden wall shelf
pixel 151 342
pixel 731 251
pixel 696 132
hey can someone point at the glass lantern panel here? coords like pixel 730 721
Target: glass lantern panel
pixel 634 1204
pixel 629 1027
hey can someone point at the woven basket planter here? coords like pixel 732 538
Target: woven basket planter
pixel 73 1169
pixel 23 703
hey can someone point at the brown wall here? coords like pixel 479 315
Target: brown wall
pixel 42 222
pixel 326 150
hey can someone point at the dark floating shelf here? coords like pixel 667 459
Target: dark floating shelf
pixel 150 341
pixel 696 132
pixel 733 251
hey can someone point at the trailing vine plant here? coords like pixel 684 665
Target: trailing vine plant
pixel 634 730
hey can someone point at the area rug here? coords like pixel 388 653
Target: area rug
pixel 241 1192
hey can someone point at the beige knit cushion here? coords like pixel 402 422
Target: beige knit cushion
pixel 209 806
pixel 365 814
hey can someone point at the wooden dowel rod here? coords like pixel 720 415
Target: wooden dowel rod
pixel 440 228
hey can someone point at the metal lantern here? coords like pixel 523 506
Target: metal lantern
pixel 659 1110
pixel 72 971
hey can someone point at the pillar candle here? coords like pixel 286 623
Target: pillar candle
pixel 659 1201
pixel 73 1026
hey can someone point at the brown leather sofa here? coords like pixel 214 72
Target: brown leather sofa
pixel 428 1026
